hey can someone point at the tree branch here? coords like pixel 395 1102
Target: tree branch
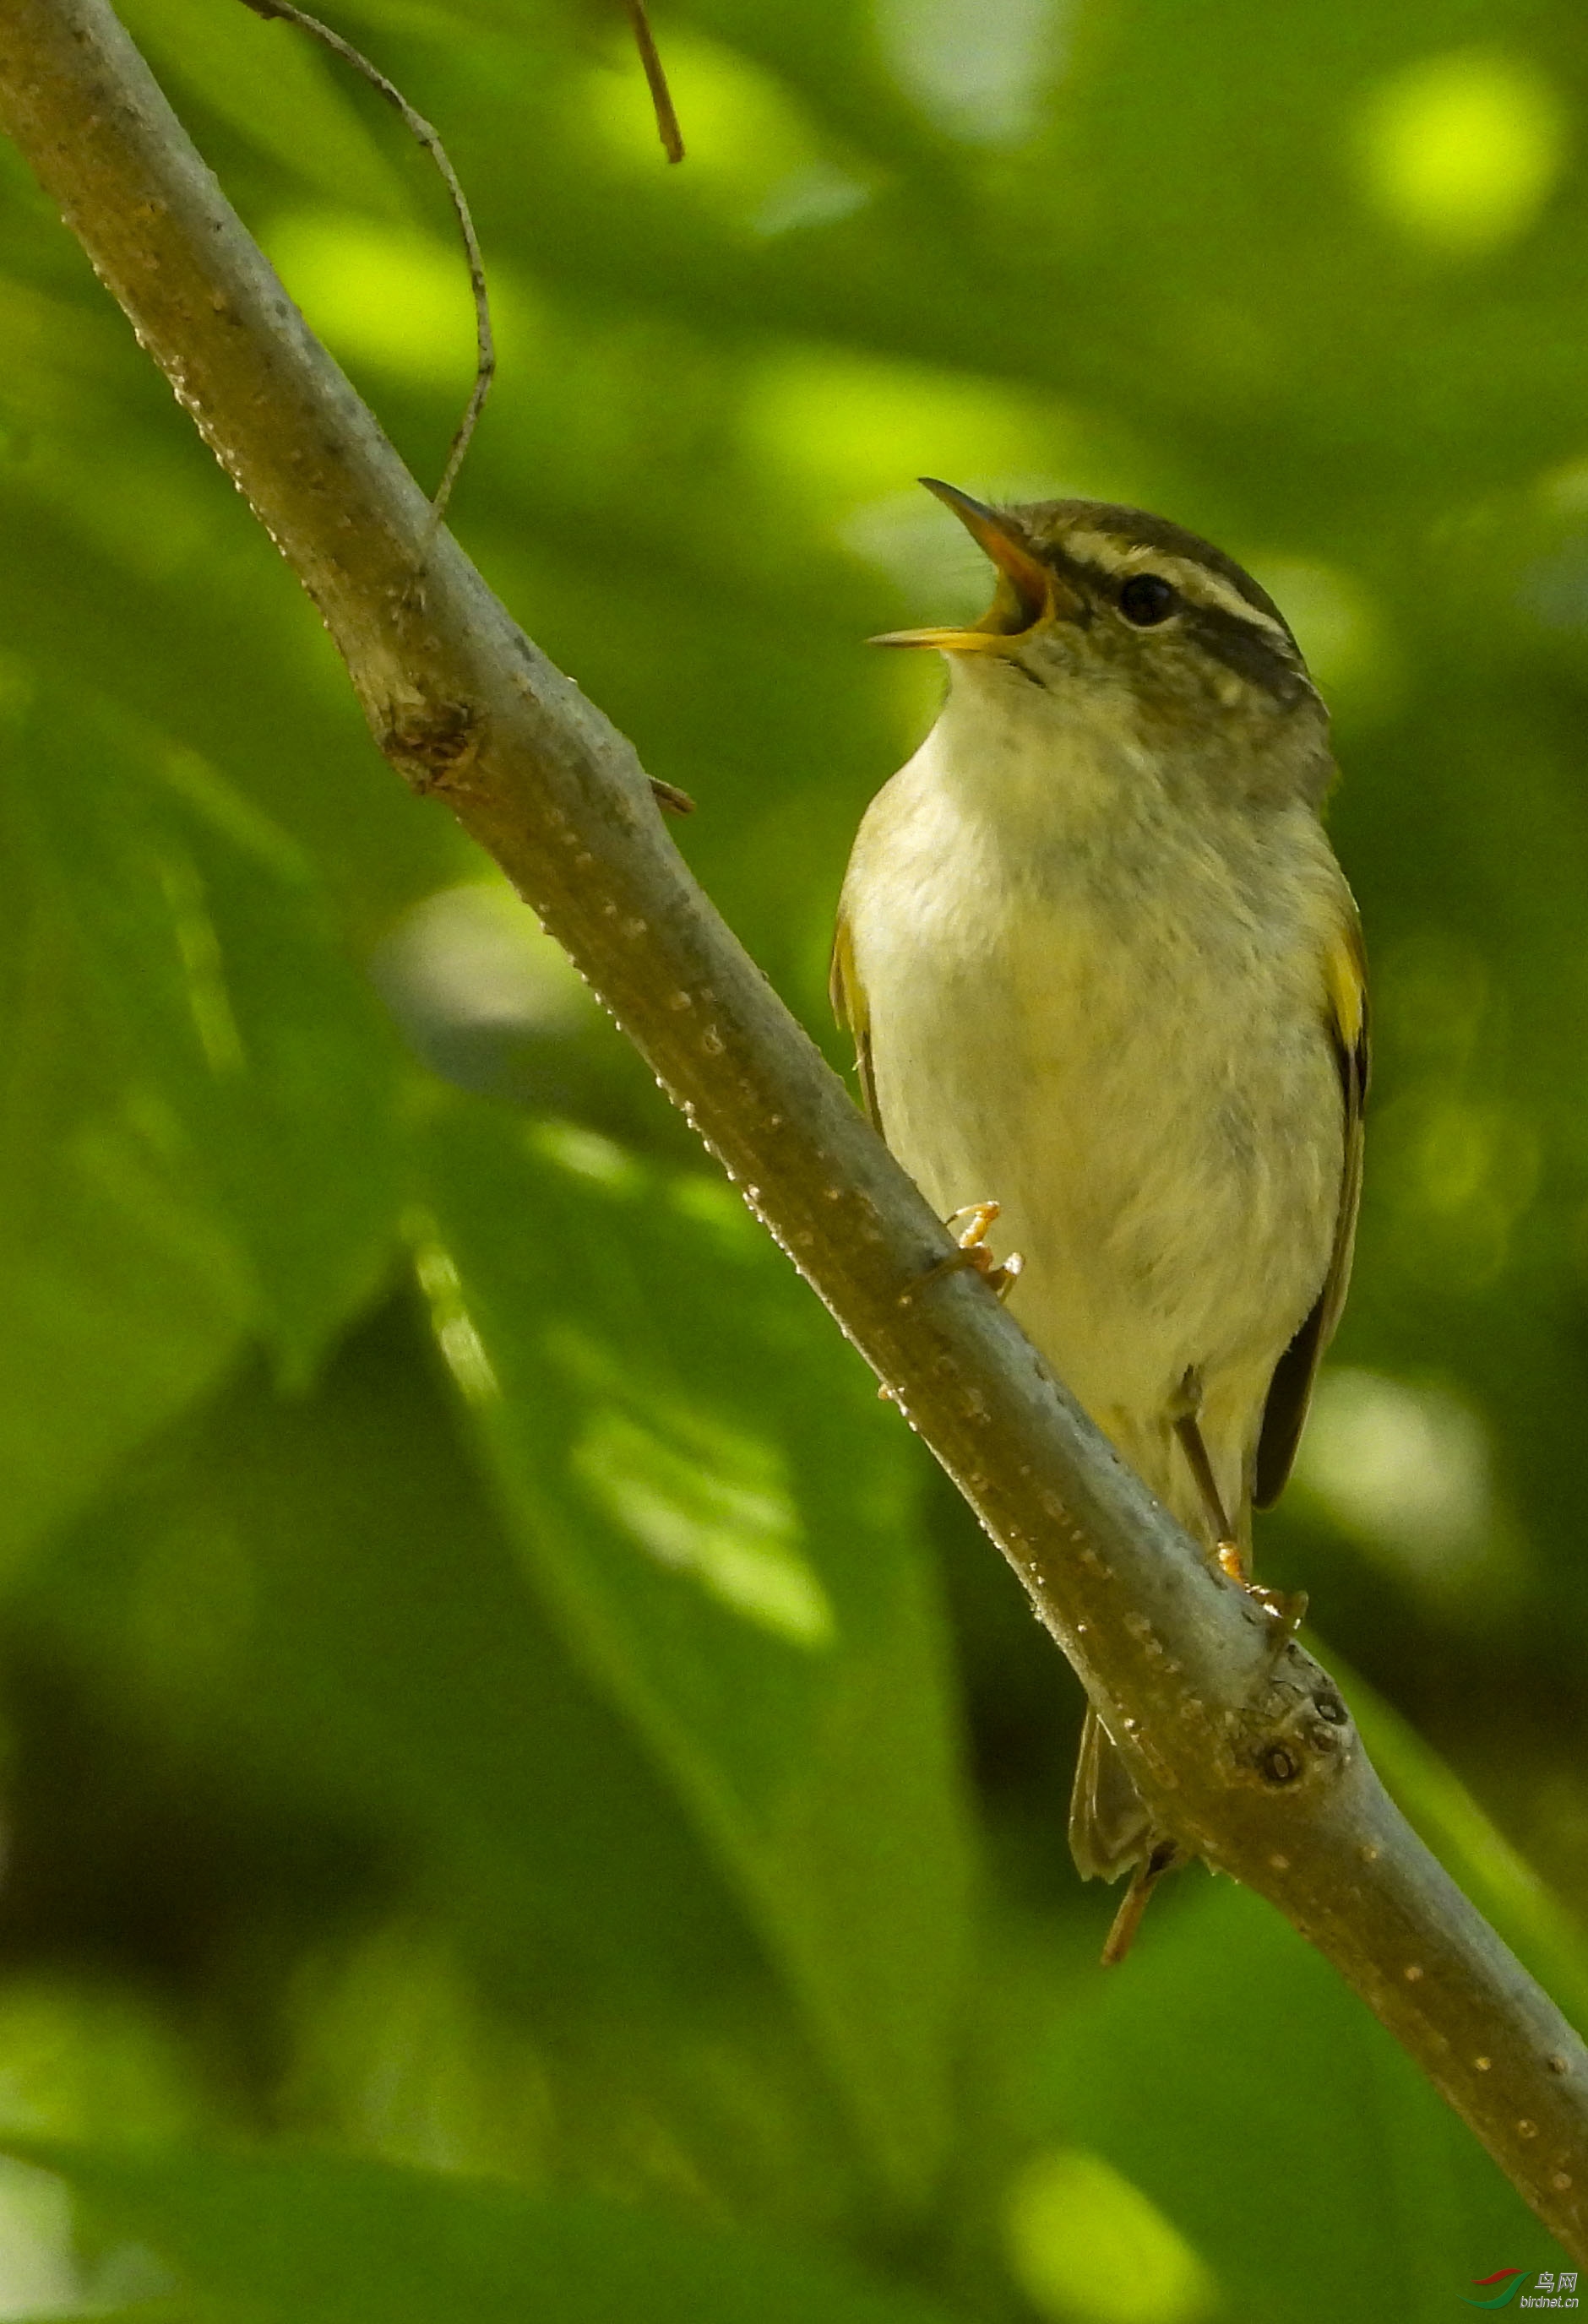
pixel 1252 1763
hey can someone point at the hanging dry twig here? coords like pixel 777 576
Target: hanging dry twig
pixel 668 794
pixel 421 130
pixel 662 96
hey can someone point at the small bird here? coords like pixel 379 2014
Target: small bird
pixel 1106 986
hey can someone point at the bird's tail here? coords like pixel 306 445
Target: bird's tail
pixel 1110 1828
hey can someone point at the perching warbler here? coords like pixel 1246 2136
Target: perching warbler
pixel 1103 972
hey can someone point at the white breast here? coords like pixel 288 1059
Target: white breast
pixel 1106 1012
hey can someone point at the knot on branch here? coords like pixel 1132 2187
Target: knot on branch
pixel 431 744
pixel 1296 1727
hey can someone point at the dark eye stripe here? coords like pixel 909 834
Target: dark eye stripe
pixel 1250 649
pixel 1251 653
pixel 1136 529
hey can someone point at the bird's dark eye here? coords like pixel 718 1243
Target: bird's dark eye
pixel 1147 599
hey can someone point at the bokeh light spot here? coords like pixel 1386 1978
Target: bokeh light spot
pixel 1462 150
pixel 852 428
pixel 1405 1468
pixel 747 138
pixel 397 299
pixel 1087 2247
pixel 1336 626
pixel 1409 1463
pixel 980 72
pixel 473 981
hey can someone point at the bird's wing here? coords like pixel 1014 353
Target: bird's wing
pixel 1290 1391
pixel 848 998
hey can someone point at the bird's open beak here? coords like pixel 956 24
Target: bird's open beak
pixel 1028 590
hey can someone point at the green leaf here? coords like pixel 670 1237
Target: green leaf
pixel 311 2240
pixel 297 1634
pixel 719 1510
pixel 123 1297
pixel 239 1017
pixel 1233 2079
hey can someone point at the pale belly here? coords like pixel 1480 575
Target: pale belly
pixel 1149 1090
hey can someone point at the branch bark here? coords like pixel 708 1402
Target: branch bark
pixel 1252 1763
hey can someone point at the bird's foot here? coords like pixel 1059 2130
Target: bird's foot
pixel 972 1250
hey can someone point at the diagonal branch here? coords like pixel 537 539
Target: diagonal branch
pixel 1254 1766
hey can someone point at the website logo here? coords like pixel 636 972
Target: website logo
pixel 1549 2290
pixel 1509 2283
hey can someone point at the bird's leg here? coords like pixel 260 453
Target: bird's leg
pixel 1227 1550
pixel 1163 1856
pixel 1287 1607
pixel 971 1251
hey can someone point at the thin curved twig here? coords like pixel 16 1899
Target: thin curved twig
pixel 424 134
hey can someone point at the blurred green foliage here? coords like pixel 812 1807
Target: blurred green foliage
pixel 525 1795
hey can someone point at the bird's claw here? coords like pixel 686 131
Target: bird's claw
pixel 971 1250
pixel 1286 1608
